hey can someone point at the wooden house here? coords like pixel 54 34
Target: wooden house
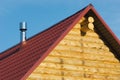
pixel 80 47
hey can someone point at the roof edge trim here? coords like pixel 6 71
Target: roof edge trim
pixel 106 26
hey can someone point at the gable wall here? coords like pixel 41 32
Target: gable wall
pixel 79 57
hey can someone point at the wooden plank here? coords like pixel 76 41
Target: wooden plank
pixel 69 48
pixel 72 67
pixel 92 39
pixel 65 53
pixel 72 37
pixel 63 60
pixel 100 58
pixel 42 70
pixel 92 34
pixel 46 77
pixel 67 43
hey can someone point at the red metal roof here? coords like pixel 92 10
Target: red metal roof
pixel 19 61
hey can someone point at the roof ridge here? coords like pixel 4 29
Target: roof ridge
pixel 91 5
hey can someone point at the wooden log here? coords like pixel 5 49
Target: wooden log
pixel 77 26
pixel 91 26
pixel 90 19
pixel 86 27
pixel 81 20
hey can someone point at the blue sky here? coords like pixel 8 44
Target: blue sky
pixel 41 14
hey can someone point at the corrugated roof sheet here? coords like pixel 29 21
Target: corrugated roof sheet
pixel 19 61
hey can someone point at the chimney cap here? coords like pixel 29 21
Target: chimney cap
pixel 23 26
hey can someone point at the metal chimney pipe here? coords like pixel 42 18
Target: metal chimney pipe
pixel 23 29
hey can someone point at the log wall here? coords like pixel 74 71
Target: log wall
pixel 79 57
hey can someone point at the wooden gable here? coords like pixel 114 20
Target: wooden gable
pixel 79 56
